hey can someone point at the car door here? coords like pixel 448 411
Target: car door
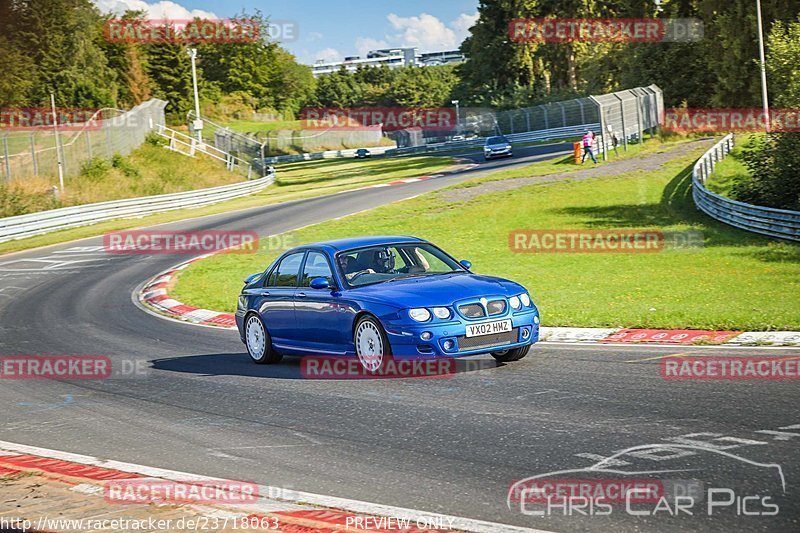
pixel 276 302
pixel 321 314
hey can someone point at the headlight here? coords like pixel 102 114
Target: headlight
pixel 514 301
pixel 242 302
pixel 420 314
pixel 441 312
pixel 526 300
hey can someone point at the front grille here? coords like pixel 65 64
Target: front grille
pixel 486 341
pixel 496 307
pixel 472 310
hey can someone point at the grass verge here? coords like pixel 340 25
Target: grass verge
pixel 731 169
pixel 735 281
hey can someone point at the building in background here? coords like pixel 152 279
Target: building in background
pixel 391 57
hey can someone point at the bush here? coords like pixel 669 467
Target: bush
pixel 124 166
pixel 773 161
pixel 155 139
pixel 95 168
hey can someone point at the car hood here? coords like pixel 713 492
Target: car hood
pixel 498 146
pixel 437 290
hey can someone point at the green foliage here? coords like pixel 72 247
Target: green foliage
pixel 783 63
pixel 125 166
pixel 17 200
pixel 58 42
pixel 773 160
pixel 774 164
pixel 381 86
pixel 95 169
pixel 155 139
pixel 423 86
pixel 720 70
pixel 261 69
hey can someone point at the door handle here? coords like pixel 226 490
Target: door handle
pixel 301 295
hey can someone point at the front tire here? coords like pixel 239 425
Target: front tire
pixel 258 341
pixel 372 346
pixel 514 354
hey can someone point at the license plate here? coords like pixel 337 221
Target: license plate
pixel 488 328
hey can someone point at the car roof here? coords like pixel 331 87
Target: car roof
pixel 338 245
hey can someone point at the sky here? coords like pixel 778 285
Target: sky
pixel 331 30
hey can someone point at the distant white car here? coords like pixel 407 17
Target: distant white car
pixel 458 138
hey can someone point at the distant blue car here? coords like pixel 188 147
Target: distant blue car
pixel 381 297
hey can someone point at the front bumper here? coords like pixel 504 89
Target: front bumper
pixel 503 152
pixel 406 341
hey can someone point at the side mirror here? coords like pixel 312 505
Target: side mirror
pixel 319 283
pixel 251 277
pixel 466 264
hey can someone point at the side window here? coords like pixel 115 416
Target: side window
pixel 317 266
pixel 285 275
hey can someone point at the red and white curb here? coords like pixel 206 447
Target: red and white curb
pixel 312 512
pixel 155 295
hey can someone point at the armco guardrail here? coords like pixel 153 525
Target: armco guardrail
pixel 779 223
pixel 529 136
pixel 330 154
pixel 22 226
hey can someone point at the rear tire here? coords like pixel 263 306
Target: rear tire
pixel 514 354
pixel 258 341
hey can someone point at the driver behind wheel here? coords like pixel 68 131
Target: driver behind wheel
pixel 383 261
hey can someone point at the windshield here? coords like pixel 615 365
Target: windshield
pixel 496 140
pixel 376 264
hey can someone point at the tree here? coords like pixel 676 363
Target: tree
pixel 339 89
pixel 773 160
pixel 170 68
pixel 423 87
pixel 129 62
pixel 61 39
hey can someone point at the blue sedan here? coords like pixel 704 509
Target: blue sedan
pixel 381 297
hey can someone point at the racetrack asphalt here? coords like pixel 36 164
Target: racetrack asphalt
pixel 451 445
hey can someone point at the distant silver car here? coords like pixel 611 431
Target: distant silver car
pixel 498 146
